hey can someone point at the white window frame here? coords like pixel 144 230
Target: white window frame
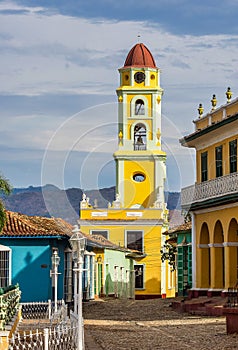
pixel 133 104
pixel 7 249
pixel 140 122
pixel 142 231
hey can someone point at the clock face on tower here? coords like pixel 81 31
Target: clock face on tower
pixel 139 77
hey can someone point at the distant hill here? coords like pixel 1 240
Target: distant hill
pixel 49 201
pixel 173 200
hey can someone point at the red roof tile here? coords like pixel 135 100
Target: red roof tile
pixel 140 56
pixel 184 227
pixel 20 225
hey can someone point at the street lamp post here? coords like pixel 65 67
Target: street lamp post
pixel 55 260
pixel 77 242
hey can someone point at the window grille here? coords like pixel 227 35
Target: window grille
pixel 204 166
pixel 218 152
pixel 233 156
pixel 5 278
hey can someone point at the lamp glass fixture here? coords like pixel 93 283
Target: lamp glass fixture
pixel 55 259
pixel 77 242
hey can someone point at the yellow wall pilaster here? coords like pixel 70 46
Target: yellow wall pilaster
pixel 217 268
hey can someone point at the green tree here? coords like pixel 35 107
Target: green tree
pixel 5 189
pixel 168 252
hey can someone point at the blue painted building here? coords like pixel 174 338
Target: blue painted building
pixel 27 244
pixel 26 247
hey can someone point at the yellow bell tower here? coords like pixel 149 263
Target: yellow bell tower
pixel 140 162
pixel 138 216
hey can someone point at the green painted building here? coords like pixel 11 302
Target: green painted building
pixel 114 272
pixel 180 236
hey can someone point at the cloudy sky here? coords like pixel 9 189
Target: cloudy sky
pixel 59 65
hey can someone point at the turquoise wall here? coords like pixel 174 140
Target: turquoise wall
pixel 31 265
pixel 184 234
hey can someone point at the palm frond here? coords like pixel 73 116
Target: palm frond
pixel 5 186
pixel 2 216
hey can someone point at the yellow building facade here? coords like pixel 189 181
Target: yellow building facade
pixel 138 215
pixel 212 201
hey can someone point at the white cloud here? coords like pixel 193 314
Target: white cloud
pixel 47 53
pixel 12 6
pixel 55 53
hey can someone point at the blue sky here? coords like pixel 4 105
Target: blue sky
pixel 58 71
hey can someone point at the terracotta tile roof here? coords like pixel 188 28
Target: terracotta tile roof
pixel 102 242
pixel 20 225
pixel 184 227
pixel 140 56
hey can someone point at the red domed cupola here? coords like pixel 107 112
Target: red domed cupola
pixel 140 56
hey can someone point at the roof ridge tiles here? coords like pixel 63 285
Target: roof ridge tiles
pixel 23 225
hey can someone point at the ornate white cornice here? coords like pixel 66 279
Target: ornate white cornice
pixel 152 222
pixel 218 245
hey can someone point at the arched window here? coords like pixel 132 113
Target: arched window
pixel 139 107
pixel 139 137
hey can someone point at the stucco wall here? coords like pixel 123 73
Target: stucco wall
pixel 31 264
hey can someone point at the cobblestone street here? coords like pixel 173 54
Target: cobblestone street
pixel 114 324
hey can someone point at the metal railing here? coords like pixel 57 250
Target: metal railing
pixel 35 310
pixel 139 147
pixel 59 333
pixel 232 297
pixel 41 309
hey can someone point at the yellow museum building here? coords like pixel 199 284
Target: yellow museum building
pixel 138 215
pixel 212 200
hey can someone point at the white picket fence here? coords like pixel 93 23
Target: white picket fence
pixel 60 333
pixel 62 337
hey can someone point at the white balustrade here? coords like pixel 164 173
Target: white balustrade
pixel 221 186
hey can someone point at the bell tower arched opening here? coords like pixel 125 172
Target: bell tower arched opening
pixel 140 137
pixel 139 107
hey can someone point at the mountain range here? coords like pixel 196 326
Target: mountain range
pixel 50 201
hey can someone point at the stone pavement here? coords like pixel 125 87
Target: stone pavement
pixel 113 324
pixel 89 341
